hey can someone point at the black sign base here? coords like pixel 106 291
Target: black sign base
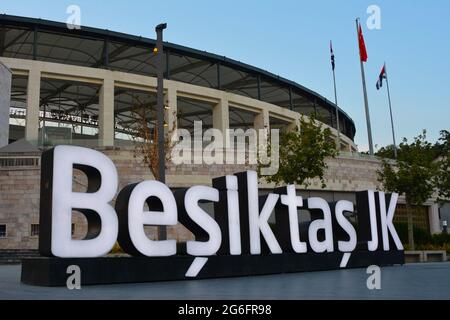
pixel 52 272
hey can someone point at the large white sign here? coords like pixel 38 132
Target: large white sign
pixel 241 216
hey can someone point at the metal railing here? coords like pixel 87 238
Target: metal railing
pixel 7 162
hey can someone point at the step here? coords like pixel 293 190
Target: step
pixel 18 251
pixel 18 256
pixel 10 262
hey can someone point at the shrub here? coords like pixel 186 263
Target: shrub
pixel 434 247
pixel 440 239
pixel 421 236
pixel 423 239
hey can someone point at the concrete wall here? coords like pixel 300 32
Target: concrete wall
pixel 5 103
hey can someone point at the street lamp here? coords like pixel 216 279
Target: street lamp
pixel 160 101
pixel 162 231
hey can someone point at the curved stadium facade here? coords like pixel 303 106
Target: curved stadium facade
pixel 82 86
pixel 86 73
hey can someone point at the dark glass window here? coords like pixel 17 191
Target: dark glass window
pixel 61 48
pixel 16 42
pixel 242 119
pixel 68 112
pixel 190 110
pixel 239 82
pixel 325 115
pixel 191 70
pixel 301 104
pixel 34 230
pixel 2 230
pixel 132 108
pixel 276 123
pixel 273 93
pixel 134 59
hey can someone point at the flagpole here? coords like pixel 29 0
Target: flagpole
pixel 337 113
pixel 390 111
pixel 366 101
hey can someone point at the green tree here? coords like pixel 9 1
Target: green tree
pixel 303 154
pixel 412 175
pixel 443 175
pixel 386 152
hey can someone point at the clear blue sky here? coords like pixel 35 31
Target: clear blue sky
pixel 291 38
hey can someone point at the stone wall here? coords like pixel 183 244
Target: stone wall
pixel 19 187
pixel 19 206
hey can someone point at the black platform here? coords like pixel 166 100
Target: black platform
pixel 113 270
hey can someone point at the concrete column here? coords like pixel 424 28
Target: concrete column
pixel 294 125
pixel 262 120
pixel 435 223
pixel 106 114
pixel 221 116
pixel 171 105
pixel 33 104
pixel 221 120
pixel 5 103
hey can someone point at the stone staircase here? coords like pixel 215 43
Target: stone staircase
pixel 8 257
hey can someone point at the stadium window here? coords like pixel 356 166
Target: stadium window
pixel 302 104
pixel 63 48
pixel 191 110
pixel 2 230
pixel 194 71
pixel 238 82
pixel 73 229
pixel 20 42
pixel 34 230
pixel 132 58
pixel 275 93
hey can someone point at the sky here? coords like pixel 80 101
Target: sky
pixel 291 39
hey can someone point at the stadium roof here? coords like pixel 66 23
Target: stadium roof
pixel 38 39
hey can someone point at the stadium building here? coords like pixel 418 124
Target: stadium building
pixel 81 87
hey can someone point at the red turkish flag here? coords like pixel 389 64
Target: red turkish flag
pixel 362 45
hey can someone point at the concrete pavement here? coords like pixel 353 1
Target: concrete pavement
pixel 412 281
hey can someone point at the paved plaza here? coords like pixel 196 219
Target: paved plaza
pixel 412 281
